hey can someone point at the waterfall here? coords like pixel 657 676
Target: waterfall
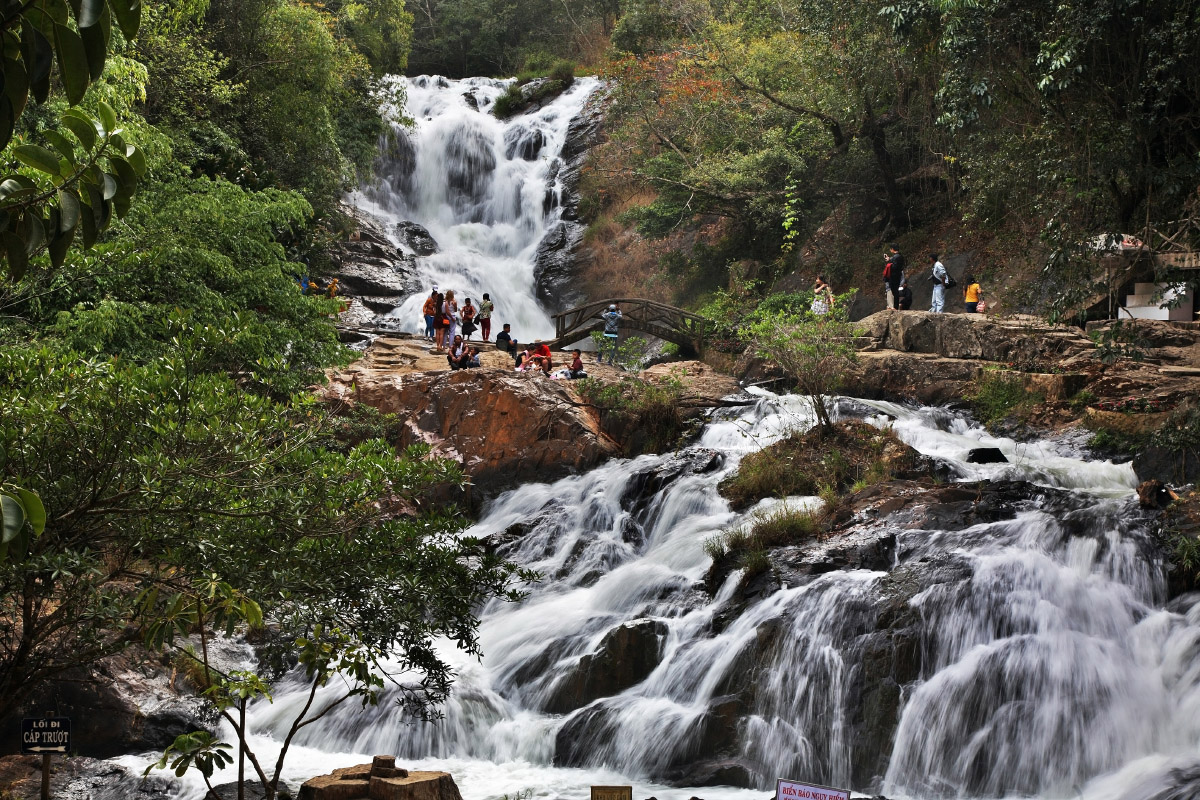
pixel 486 190
pixel 1033 655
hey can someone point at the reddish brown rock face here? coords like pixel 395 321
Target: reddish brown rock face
pixel 503 427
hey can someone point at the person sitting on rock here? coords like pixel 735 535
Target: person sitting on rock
pixel 542 358
pixel 457 349
pixel 505 342
pixel 576 369
pixel 472 357
pixel 523 359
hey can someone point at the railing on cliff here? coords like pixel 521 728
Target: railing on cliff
pixel 669 323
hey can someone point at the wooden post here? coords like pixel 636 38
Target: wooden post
pixel 46 769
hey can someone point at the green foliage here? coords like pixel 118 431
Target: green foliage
pixel 631 351
pixel 200 750
pixel 179 502
pixel 815 351
pixel 1119 340
pixel 998 394
pixel 782 525
pixel 651 407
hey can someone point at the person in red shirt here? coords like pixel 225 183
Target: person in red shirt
pixel 541 357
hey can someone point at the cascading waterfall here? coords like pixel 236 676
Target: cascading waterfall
pixel 1049 665
pixel 487 191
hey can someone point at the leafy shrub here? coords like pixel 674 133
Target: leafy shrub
pixel 998 395
pixel 563 71
pixel 508 103
pixel 1119 340
pixel 652 405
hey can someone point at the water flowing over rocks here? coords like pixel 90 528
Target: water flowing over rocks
pixel 480 202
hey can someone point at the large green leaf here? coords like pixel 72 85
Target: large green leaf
pixel 68 202
pixel 61 143
pixel 8 120
pixel 84 129
pixel 90 12
pixel 72 63
pixel 108 117
pixel 16 186
pixel 18 260
pixel 35 511
pixel 60 244
pixel 39 60
pixel 13 518
pixel 128 14
pixel 16 84
pixel 38 157
pixel 95 45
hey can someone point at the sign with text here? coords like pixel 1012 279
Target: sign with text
pixel 45 735
pixel 794 790
pixel 612 793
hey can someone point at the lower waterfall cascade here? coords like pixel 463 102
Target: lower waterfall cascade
pixel 1049 661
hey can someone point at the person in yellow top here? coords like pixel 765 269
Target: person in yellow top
pixel 972 295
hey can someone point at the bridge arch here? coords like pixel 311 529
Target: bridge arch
pixel 669 323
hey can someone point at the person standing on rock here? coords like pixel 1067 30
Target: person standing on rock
pixel 451 307
pixel 893 274
pixel 485 316
pixel 940 280
pixel 468 319
pixel 612 330
pixel 429 311
pixel 972 295
pixel 441 322
pixel 904 297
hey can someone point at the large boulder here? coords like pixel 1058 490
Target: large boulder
pixel 503 427
pixel 368 264
pixel 380 780
pixel 416 237
pixel 626 656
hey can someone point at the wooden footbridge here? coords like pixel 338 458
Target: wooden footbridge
pixel 669 323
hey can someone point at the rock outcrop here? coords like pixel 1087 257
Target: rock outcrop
pixel 126 703
pixel 503 427
pixel 369 266
pixel 626 656
pixel 555 258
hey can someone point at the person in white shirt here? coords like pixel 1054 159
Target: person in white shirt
pixel 939 279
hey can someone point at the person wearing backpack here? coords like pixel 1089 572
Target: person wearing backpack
pixel 941 279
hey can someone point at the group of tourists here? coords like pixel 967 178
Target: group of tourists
pixel 446 320
pixel 898 294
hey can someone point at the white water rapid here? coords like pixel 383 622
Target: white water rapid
pixel 1045 659
pixel 487 191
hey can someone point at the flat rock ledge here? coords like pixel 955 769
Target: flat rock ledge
pixel 380 780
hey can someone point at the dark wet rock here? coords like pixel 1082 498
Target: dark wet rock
pixel 416 238
pixel 1155 494
pixel 523 143
pixel 393 168
pixel 644 487
pixel 1175 467
pixel 126 703
pixel 986 455
pixel 367 264
pixel 625 657
pixel 554 261
pixel 554 264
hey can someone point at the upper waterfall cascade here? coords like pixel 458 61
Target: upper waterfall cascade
pixel 487 190
pixel 1051 665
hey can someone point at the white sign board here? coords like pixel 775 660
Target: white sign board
pixel 794 790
